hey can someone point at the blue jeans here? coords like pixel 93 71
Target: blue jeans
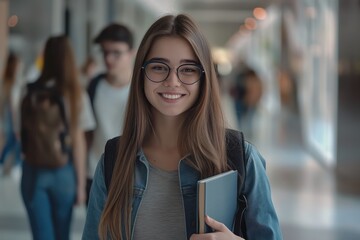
pixel 49 196
pixel 12 145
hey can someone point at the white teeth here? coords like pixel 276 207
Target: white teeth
pixel 171 96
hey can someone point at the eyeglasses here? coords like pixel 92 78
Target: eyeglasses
pixel 187 73
pixel 113 53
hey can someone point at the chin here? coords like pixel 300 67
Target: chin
pixel 172 113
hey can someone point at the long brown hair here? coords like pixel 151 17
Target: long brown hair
pixel 202 135
pixel 59 65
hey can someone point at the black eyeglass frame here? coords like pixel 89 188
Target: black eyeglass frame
pixel 202 72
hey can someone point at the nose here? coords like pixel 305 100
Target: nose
pixel 172 80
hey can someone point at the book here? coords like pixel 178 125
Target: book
pixel 217 198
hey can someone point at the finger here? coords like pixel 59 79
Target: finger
pixel 217 226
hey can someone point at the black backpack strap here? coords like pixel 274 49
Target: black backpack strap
pixel 91 89
pixel 236 154
pixel 110 154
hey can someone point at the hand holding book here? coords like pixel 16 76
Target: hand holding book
pixel 220 232
pixel 217 198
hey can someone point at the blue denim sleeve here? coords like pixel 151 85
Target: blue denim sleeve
pixel 98 195
pixel 260 217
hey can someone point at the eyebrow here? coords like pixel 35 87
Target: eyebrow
pixel 167 60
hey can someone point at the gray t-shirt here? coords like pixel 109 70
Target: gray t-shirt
pixel 161 213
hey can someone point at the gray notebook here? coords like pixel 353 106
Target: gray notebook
pixel 217 198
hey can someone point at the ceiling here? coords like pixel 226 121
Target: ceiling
pixel 220 19
pixel 230 11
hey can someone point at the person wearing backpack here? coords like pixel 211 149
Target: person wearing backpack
pixel 145 184
pixel 109 89
pixel 55 112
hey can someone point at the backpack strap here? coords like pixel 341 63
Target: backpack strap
pixel 91 89
pixel 235 147
pixel 111 150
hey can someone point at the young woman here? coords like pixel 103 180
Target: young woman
pixel 10 92
pixel 50 193
pixel 174 134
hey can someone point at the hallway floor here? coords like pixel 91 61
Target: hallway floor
pixel 305 194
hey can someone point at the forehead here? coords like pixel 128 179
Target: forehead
pixel 114 45
pixel 172 48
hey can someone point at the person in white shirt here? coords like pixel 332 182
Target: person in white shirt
pixel 109 91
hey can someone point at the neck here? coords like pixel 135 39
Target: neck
pixel 161 148
pixel 118 80
pixel 166 131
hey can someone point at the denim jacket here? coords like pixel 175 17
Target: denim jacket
pixel 260 217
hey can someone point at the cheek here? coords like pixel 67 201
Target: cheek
pixel 148 89
pixel 123 61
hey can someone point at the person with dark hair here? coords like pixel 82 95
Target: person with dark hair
pixel 174 135
pixel 49 193
pixel 115 32
pixel 109 89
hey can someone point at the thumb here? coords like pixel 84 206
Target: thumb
pixel 215 225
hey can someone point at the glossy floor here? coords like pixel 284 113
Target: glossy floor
pixel 305 194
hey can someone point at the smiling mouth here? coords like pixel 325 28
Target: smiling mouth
pixel 171 96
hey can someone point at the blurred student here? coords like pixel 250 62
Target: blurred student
pixel 55 114
pixel 246 91
pixel 11 88
pixel 109 89
pixel 174 134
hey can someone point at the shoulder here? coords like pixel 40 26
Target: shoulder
pixel 32 86
pixel 94 82
pixel 253 156
pixel 233 137
pixel 112 143
pixel 97 78
pixel 236 142
pixel 110 153
pixel 85 100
